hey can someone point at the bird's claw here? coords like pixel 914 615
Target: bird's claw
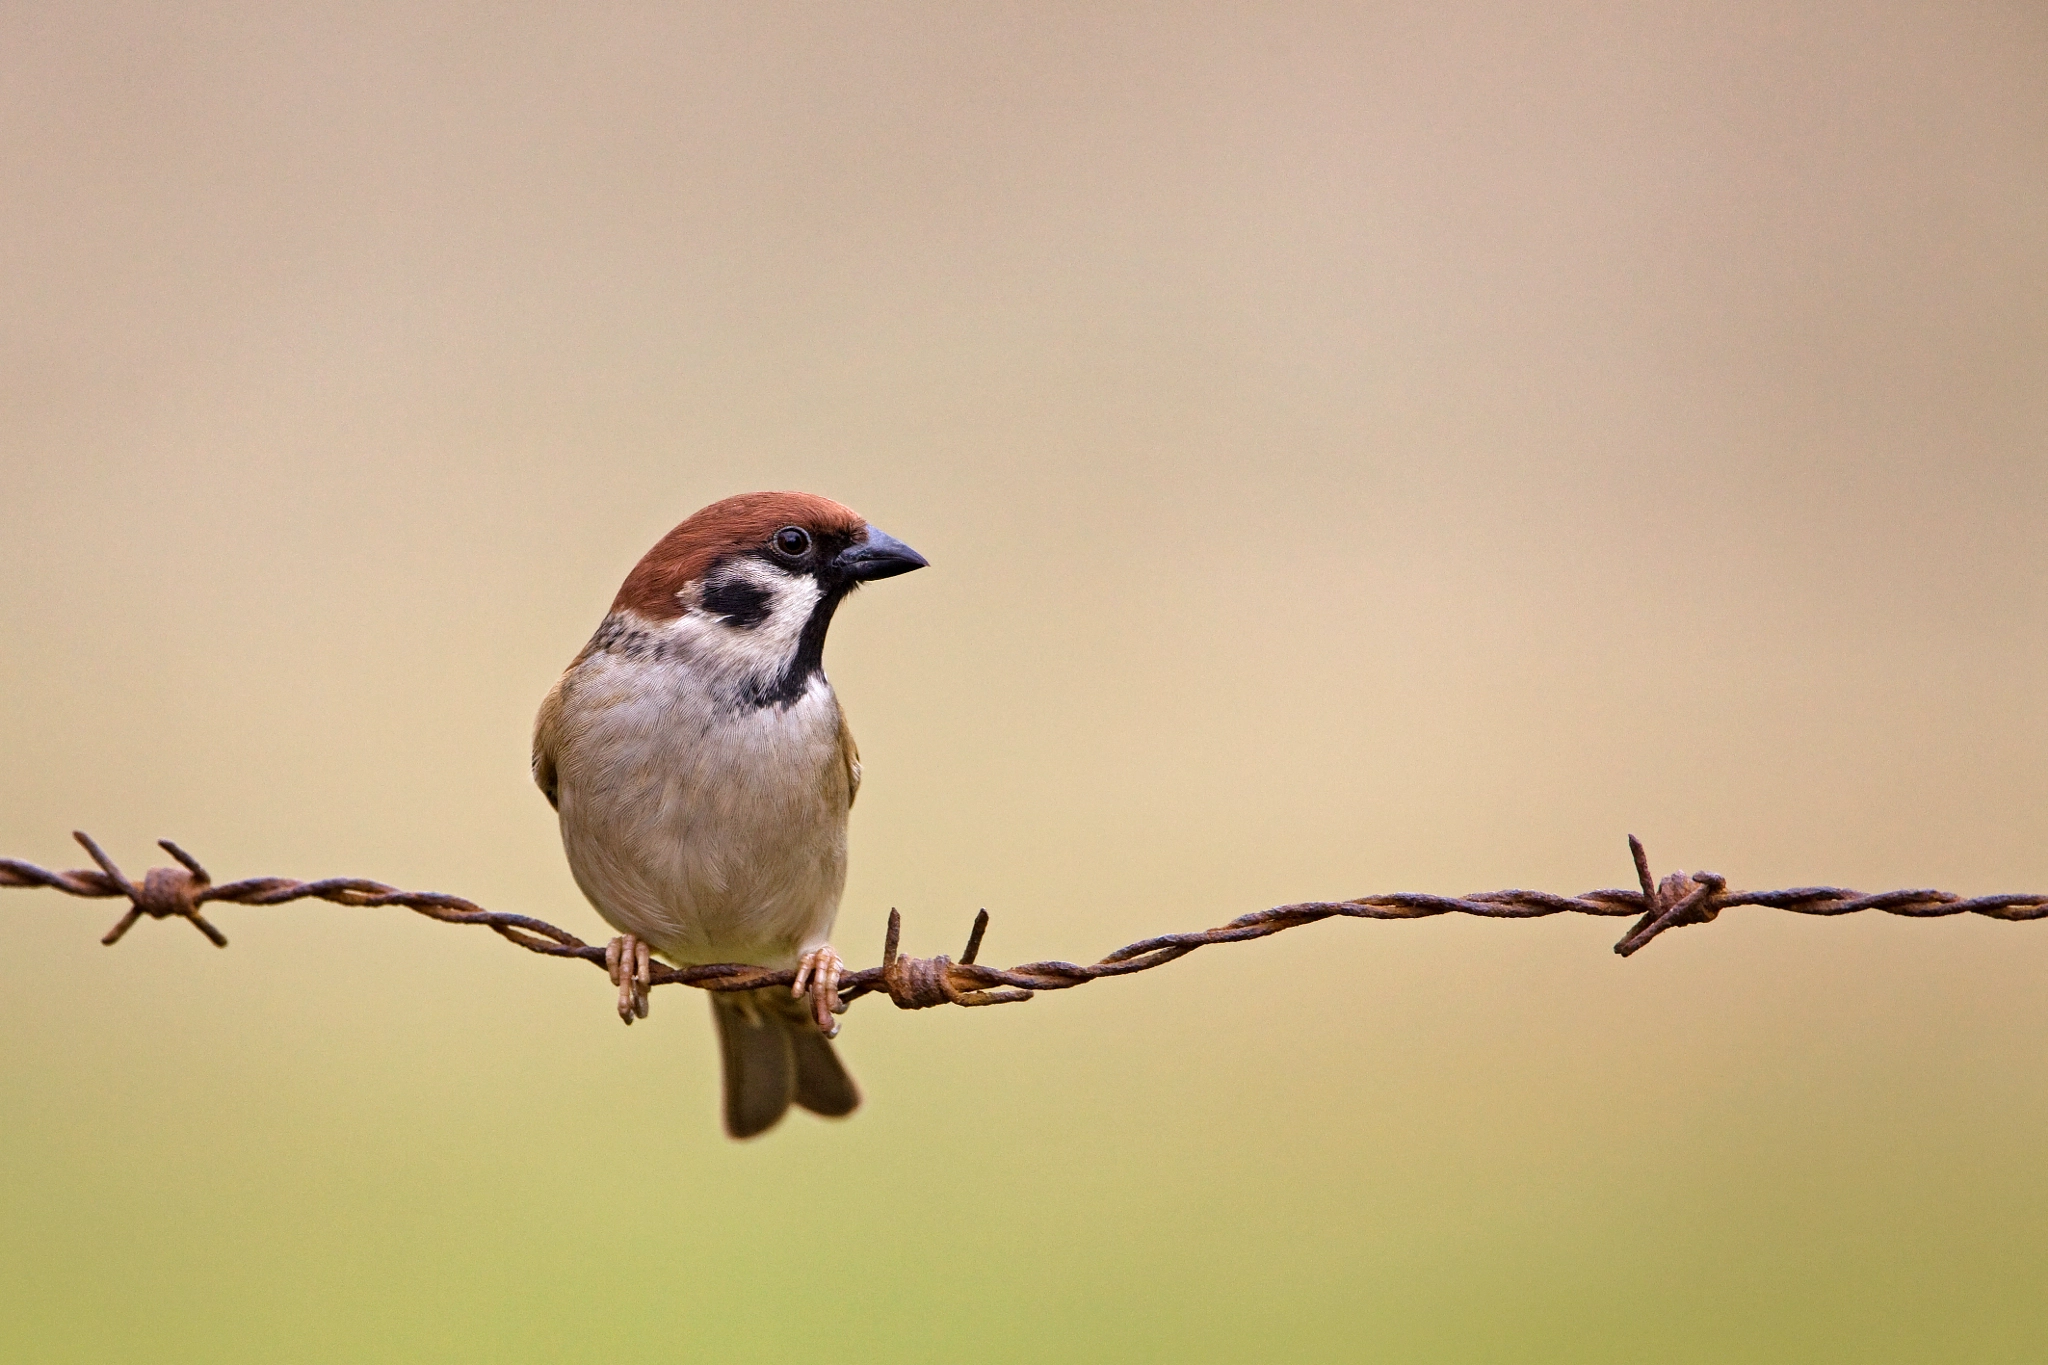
pixel 626 959
pixel 817 974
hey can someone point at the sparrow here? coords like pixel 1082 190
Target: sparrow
pixel 702 770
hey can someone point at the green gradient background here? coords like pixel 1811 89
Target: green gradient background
pixel 1358 449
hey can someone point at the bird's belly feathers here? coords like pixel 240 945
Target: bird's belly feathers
pixel 716 835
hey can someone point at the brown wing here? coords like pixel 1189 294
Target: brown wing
pixel 849 753
pixel 546 726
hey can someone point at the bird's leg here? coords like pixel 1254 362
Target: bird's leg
pixel 818 972
pixel 625 957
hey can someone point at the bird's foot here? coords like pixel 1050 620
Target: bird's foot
pixel 817 974
pixel 625 957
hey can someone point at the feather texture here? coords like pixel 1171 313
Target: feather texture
pixel 772 1055
pixel 702 770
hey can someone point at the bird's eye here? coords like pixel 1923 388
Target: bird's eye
pixel 792 541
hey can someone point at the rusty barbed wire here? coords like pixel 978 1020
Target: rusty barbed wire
pixel 911 983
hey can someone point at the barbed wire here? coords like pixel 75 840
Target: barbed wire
pixel 183 891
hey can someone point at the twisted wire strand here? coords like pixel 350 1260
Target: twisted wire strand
pixel 182 891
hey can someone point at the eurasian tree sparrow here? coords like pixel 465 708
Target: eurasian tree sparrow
pixel 703 772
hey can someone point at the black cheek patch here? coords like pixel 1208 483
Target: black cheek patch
pixel 737 602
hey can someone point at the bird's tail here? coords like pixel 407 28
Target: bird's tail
pixel 773 1055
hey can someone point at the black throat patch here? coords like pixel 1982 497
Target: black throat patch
pixel 807 661
pixel 743 604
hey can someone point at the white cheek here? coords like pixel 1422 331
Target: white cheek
pixel 759 651
pixel 791 600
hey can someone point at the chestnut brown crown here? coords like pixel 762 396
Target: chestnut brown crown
pixel 750 523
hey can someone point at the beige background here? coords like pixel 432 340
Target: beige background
pixel 1359 448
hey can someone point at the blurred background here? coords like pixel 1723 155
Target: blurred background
pixel 1359 449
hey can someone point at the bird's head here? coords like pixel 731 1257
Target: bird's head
pixel 746 587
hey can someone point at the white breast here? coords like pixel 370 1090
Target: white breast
pixel 716 833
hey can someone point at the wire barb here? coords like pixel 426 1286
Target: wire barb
pixel 914 983
pixel 165 891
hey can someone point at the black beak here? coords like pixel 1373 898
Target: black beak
pixel 880 555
